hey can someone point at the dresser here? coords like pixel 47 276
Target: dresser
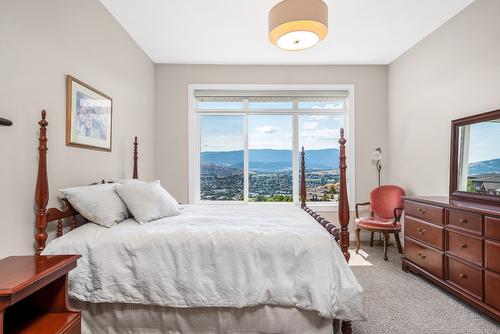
pixel 456 245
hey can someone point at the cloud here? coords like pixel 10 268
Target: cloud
pixel 320 117
pixel 310 125
pixel 221 143
pixel 267 129
pixel 335 105
pixel 322 135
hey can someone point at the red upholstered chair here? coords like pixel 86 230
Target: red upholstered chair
pixel 386 208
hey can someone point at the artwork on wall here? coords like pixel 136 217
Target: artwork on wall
pixel 88 116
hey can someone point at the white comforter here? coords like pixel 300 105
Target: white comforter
pixel 226 256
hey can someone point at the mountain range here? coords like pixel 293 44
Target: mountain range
pixel 483 167
pixel 269 160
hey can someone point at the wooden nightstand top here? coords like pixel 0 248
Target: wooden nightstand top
pixel 20 272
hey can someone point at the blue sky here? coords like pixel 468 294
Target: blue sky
pixel 225 133
pixel 320 131
pixel 484 141
pixel 221 133
pixel 270 131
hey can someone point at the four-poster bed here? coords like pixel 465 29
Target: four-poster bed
pixel 45 216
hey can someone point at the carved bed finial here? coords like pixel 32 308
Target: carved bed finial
pixel 135 174
pixel 343 200
pixel 42 187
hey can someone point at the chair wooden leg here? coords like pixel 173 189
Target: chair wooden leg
pixel 346 327
pixel 358 241
pixel 386 243
pixel 371 239
pixel 398 242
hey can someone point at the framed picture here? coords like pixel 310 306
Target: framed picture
pixel 88 116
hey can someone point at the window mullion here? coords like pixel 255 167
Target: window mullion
pixel 295 158
pixel 245 153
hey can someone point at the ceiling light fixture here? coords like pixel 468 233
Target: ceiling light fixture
pixel 298 24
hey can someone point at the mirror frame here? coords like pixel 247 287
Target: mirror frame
pixel 454 192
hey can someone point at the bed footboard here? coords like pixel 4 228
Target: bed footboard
pixel 341 234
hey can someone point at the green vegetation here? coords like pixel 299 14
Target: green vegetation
pixel 470 186
pixel 273 198
pixel 329 195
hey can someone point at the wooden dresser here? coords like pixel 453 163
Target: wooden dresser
pixel 457 246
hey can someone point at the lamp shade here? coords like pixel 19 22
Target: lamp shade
pixel 298 24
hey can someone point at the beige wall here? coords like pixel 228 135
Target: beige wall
pixel 405 108
pixel 171 134
pixel 454 72
pixel 41 42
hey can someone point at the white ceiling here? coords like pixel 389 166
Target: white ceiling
pixel 235 31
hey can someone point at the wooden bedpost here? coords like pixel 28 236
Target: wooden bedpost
pixel 343 200
pixel 344 215
pixel 303 190
pixel 135 175
pixel 42 187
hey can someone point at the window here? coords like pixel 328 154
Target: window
pixel 270 155
pixel 221 157
pixel 318 134
pixel 246 145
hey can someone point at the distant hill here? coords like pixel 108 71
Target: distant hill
pixel 268 160
pixel 483 167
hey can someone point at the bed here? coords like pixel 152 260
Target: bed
pixel 212 269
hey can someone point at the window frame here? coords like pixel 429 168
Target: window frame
pixel 195 143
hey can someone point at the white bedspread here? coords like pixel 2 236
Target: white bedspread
pixel 213 255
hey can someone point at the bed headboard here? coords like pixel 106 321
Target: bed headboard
pixel 43 215
pixel 341 234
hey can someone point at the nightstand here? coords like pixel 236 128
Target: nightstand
pixel 34 295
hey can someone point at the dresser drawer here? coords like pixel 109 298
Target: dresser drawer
pixel 433 214
pixel 491 289
pixel 424 256
pixel 465 276
pixel 492 255
pixel 492 227
pixel 425 232
pixel 467 221
pixel 465 247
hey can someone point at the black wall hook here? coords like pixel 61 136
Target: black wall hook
pixel 5 122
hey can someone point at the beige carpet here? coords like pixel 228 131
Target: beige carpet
pixel 399 302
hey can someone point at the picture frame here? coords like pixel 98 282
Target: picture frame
pixel 89 114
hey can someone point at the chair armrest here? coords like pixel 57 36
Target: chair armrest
pixel 398 212
pixel 358 205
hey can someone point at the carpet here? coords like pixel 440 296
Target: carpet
pixel 399 302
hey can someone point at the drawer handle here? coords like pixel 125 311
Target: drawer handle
pixel 420 255
pixel 421 230
pixel 463 220
pixel 421 211
pixel 463 276
pixel 462 246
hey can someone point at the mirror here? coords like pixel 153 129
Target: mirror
pixel 476 157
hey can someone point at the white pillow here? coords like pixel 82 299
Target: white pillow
pixel 98 203
pixel 125 181
pixel 148 201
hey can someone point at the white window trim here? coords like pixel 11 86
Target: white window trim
pixel 194 142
